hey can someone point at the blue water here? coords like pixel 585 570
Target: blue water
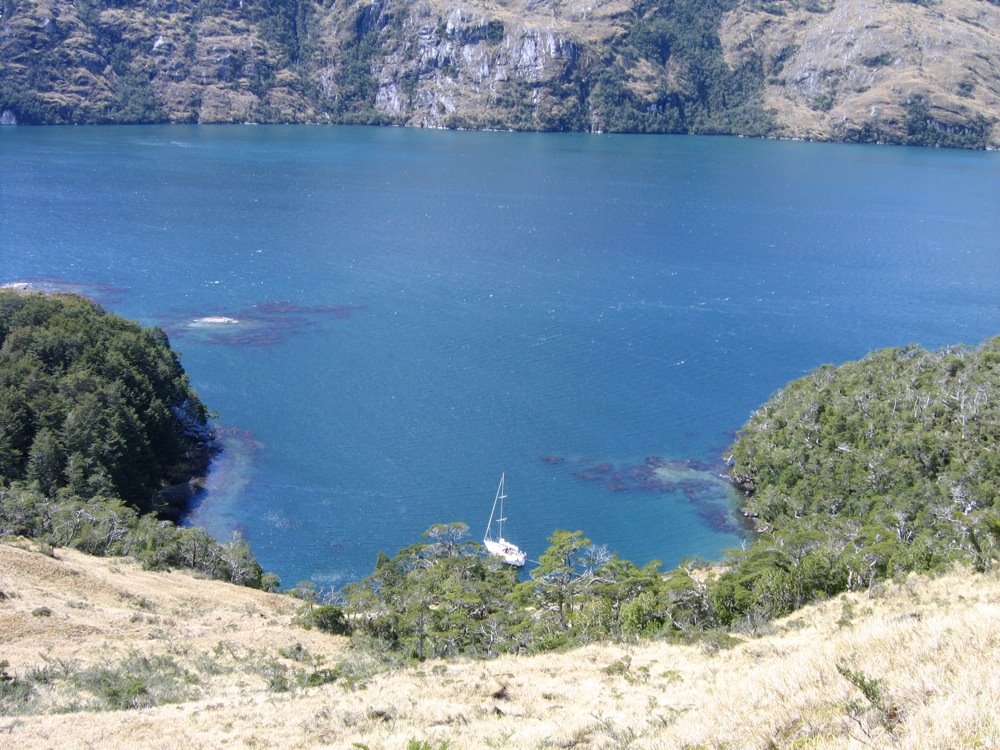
pixel 455 305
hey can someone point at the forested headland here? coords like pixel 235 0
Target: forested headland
pixel 98 423
pixel 870 469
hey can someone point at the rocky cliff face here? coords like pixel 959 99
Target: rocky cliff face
pixel 390 61
pixel 875 70
pixel 467 65
pixel 825 69
pixel 182 61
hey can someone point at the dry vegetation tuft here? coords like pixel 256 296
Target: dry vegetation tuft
pixel 203 664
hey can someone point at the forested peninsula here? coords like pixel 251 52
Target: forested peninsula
pixel 925 72
pixel 100 437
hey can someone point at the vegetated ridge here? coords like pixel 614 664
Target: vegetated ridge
pixel 102 438
pixel 922 73
pixel 888 464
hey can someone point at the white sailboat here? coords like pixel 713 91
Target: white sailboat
pixel 497 546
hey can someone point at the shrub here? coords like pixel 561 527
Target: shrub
pixel 330 619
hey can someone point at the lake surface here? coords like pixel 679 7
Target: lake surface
pixel 418 311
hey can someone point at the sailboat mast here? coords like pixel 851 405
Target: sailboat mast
pixel 500 521
pixel 498 499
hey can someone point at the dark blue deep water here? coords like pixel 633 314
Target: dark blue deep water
pixel 420 311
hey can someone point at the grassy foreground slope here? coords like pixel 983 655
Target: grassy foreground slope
pixel 210 664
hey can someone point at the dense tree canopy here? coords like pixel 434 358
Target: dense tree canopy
pixel 92 403
pixel 445 597
pixel 874 468
pixel 97 418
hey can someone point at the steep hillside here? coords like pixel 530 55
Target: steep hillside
pixel 99 653
pixel 870 70
pixel 832 69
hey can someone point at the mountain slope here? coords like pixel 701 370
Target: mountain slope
pixel 215 665
pixel 827 69
pixel 872 70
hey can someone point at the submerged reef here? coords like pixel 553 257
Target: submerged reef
pixel 261 324
pixel 701 483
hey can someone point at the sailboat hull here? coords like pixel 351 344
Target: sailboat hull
pixel 498 546
pixel 509 553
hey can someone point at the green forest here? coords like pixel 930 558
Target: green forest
pixel 867 470
pixel 100 433
pixel 851 476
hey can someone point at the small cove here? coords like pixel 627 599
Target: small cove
pixel 417 312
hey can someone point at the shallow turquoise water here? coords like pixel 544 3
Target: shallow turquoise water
pixel 420 311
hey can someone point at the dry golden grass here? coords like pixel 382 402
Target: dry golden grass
pixel 935 644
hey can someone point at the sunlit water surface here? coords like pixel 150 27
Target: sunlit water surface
pixel 385 320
